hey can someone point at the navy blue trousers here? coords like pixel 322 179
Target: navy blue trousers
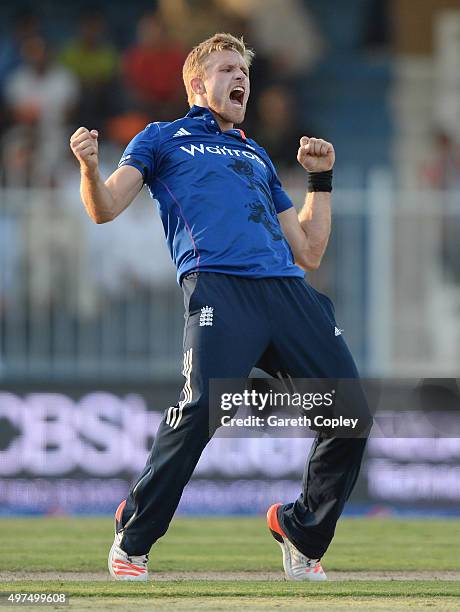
pixel 280 325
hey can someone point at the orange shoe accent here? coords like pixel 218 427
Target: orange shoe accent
pixel 118 569
pixel 125 565
pixel 126 570
pixel 120 510
pixel 118 573
pixel 272 520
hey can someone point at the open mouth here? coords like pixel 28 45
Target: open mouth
pixel 237 95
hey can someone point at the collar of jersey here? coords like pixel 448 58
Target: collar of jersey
pixel 201 112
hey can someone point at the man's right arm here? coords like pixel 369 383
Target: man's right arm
pixel 103 200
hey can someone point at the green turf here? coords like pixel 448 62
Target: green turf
pixel 238 545
pixel 253 588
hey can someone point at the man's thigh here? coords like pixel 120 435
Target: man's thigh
pixel 225 332
pixel 307 341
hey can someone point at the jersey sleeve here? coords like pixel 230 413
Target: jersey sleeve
pixel 141 152
pixel 281 199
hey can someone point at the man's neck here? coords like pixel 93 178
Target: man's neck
pixel 221 122
pixel 224 125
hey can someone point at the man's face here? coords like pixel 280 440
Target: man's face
pixel 226 83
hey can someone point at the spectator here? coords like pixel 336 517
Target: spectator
pixel 284 31
pixel 17 157
pixel 190 21
pixel 25 26
pixel 142 264
pixel 443 173
pixel 152 70
pixel 41 96
pixel 276 126
pixel 94 60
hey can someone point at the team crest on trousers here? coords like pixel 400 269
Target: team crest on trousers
pixel 206 316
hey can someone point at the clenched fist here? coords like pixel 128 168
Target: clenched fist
pixel 85 148
pixel 315 155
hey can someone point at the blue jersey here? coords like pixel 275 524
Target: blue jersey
pixel 218 196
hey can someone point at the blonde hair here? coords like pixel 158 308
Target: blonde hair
pixel 194 64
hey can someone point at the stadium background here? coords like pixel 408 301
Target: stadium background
pixel 90 316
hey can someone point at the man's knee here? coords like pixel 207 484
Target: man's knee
pixel 192 414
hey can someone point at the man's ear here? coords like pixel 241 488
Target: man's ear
pixel 198 87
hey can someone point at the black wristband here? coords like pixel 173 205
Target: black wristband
pixel 320 181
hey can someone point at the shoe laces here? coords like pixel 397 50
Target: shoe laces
pixel 301 559
pixel 138 559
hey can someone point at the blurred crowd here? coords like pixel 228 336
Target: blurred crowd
pixel 96 80
pixel 357 73
pixel 118 79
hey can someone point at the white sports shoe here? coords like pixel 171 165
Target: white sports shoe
pixel 121 565
pixel 296 565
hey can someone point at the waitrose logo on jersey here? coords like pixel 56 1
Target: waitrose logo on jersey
pixel 202 149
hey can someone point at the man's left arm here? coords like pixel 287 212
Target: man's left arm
pixel 308 232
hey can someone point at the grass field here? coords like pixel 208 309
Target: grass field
pixel 232 563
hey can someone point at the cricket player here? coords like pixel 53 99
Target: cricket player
pixel 241 253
